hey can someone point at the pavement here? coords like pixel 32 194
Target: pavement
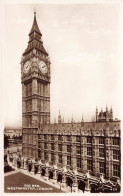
pixel 10 173
pixel 41 178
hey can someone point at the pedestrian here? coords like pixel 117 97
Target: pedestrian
pixel 83 186
pixel 35 170
pixel 30 167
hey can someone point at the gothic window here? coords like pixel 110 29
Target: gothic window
pixel 89 151
pixel 27 138
pixel 39 145
pixel 39 105
pixel 60 158
pixel 23 150
pixel 41 89
pixel 30 89
pixel 30 121
pixel 60 138
pixel 116 141
pixel 30 139
pixel 26 150
pixel 27 106
pixel 101 140
pixel 26 89
pixel 89 140
pixel 24 138
pixel 38 89
pixel 59 147
pixel 68 137
pixel 52 146
pixel 52 157
pixel 52 137
pixel 78 150
pixel 102 167
pixel 68 148
pixel 45 145
pixel 30 106
pixel 45 136
pixel 101 152
pixel 68 160
pixel 116 154
pixel 89 164
pixel 78 139
pixel 116 170
pixel 78 162
pixel 45 155
pixel 46 91
pixel 39 153
pixel 27 121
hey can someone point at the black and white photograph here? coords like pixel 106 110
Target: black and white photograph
pixel 61 77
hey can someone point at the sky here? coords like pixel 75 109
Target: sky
pixel 83 42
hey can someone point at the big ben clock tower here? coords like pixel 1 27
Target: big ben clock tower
pixel 35 79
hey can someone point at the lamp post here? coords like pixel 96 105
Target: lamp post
pixel 17 147
pixel 8 158
pixel 71 186
pixel 60 183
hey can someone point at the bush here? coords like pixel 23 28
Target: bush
pixel 5 157
pixel 7 168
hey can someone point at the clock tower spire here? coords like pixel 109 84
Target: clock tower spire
pixel 35 79
pixel 35 40
pixel 35 26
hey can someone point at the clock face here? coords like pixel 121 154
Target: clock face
pixel 26 67
pixel 43 67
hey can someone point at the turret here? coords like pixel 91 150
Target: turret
pixel 107 114
pixel 96 114
pixel 72 121
pixel 111 114
pixel 82 121
pixel 59 117
pixel 106 108
pixel 101 114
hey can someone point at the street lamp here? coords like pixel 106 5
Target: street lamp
pixel 71 186
pixel 60 183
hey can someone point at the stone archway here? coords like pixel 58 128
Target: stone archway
pixel 18 164
pixel 50 174
pixel 81 185
pixel 36 169
pixel 95 187
pixel 59 177
pixel 69 181
pixel 43 171
pixel 29 166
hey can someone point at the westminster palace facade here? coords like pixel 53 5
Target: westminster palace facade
pixel 69 149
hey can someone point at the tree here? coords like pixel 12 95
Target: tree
pixel 6 141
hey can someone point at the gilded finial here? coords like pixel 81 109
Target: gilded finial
pixel 34 11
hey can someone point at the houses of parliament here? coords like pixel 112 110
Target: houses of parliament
pixel 63 150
